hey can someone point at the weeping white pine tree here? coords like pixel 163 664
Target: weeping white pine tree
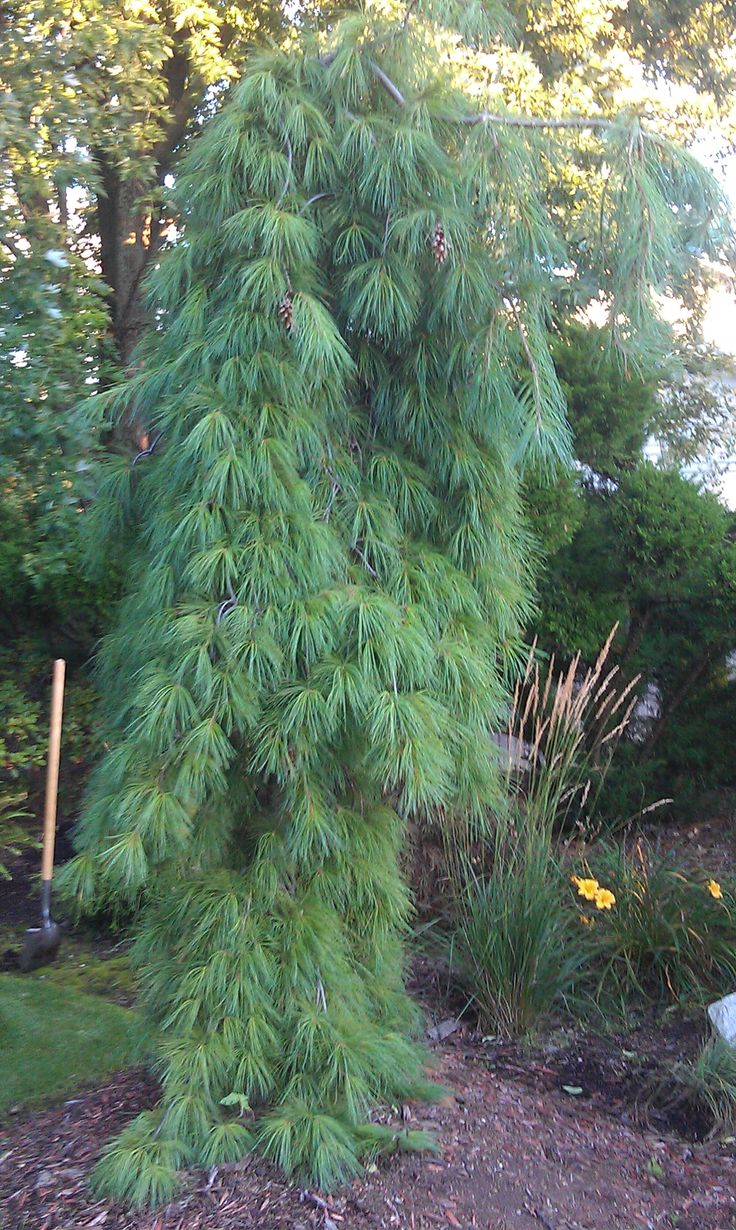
pixel 330 569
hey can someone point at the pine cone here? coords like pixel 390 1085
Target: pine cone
pixel 439 244
pixel 286 311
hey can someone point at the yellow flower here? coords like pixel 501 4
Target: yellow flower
pixel 587 922
pixel 586 888
pixel 604 899
pixel 714 889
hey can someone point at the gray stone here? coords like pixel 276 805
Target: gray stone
pixel 516 754
pixel 723 1018
pixel 438 1033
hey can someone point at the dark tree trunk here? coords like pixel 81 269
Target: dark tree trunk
pixel 691 679
pixel 127 235
pixel 638 624
pixel 130 226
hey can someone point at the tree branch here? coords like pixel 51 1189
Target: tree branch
pixel 531 360
pixel 537 121
pixel 387 83
pixel 287 181
pixel 14 251
pixel 409 10
pixel 489 117
pixel 318 196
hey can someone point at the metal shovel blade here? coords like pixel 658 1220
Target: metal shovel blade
pixel 40 946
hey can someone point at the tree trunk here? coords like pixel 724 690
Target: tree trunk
pixel 638 624
pixel 128 233
pixel 131 228
pixel 693 677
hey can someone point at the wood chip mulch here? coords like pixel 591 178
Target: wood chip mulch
pixel 512 1158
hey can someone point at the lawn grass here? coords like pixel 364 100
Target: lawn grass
pixel 54 1039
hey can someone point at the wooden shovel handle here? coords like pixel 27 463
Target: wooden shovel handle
pixel 52 770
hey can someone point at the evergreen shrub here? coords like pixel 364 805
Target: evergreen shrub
pixel 330 570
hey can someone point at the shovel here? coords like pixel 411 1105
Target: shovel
pixel 42 943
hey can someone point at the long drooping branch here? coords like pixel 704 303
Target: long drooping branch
pixel 538 121
pixel 508 120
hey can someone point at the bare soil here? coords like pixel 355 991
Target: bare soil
pixel 512 1156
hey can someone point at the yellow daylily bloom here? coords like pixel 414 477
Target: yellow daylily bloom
pixel 714 889
pixel 586 888
pixel 604 899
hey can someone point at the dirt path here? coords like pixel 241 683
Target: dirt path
pixel 512 1159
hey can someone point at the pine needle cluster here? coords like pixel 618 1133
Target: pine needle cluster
pixel 328 582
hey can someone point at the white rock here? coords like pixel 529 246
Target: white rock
pixel 723 1018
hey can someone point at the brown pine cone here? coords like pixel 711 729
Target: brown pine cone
pixel 439 244
pixel 286 311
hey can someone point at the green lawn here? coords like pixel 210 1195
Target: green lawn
pixel 54 1039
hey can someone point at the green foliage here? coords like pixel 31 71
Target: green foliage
pixel 667 936
pixel 21 739
pixel 638 924
pixel 25 690
pixel 52 348
pixel 517 942
pixel 55 1039
pixel 330 572
pixel 675 544
pixel 707 1083
pixel 611 412
pixel 25 687
pixel 636 543
pixel 682 38
pixel 695 422
pixel 97 100
pixel 687 41
pixel 520 946
pixel 140 1166
pixel 14 837
pixel 653 930
pixel 694 755
pixel 108 75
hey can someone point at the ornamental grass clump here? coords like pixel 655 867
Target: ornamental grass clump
pixel 563 729
pixel 669 932
pixel 706 1084
pixel 518 943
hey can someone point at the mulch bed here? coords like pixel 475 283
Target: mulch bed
pixel 624 1075
pixel 518 1152
pixel 513 1157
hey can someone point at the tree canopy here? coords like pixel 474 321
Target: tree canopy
pixel 630 539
